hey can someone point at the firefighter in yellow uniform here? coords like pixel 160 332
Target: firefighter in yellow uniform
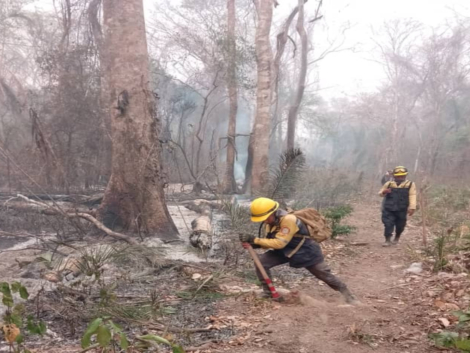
pixel 399 202
pixel 290 242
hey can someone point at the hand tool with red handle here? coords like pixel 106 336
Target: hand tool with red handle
pixel 267 280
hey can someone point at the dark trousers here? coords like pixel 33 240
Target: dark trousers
pixel 322 271
pixel 393 220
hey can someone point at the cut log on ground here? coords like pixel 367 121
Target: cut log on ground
pixel 201 234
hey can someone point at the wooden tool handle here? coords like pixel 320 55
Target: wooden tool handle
pixel 258 264
pixel 261 269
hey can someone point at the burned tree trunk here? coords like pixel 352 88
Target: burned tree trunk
pixel 263 95
pixel 229 181
pixel 134 197
pixel 246 189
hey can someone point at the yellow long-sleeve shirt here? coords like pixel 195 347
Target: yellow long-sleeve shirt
pixel 285 231
pixel 404 184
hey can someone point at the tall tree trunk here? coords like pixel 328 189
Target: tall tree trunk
pixel 294 109
pixel 262 124
pixel 134 197
pixel 282 37
pixel 229 180
pixel 105 140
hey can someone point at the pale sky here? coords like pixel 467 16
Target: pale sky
pixel 347 73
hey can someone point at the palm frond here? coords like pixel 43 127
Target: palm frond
pixel 284 178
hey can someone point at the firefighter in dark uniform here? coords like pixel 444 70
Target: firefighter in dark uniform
pixel 399 202
pixel 290 242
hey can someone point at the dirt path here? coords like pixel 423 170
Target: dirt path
pixel 384 322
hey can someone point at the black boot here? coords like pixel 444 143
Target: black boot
pixel 387 242
pixel 349 297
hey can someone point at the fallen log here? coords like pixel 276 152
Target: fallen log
pixel 88 217
pixel 202 206
pixel 92 200
pixel 40 197
pixel 201 234
pixel 74 198
pixel 29 207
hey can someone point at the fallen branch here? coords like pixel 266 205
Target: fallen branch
pixel 179 330
pixel 203 284
pixel 86 216
pixel 105 229
pixel 29 207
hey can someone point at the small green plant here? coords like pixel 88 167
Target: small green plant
pixel 92 264
pixel 445 339
pixel 110 337
pixel 335 215
pixel 13 313
pixel 160 340
pixel 13 317
pixel 440 252
pixel 93 260
pixel 460 338
pixel 443 245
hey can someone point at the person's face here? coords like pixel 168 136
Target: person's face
pixel 400 178
pixel 271 219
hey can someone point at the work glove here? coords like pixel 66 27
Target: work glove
pixel 247 245
pixel 246 238
pixel 387 191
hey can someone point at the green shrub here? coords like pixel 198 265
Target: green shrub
pixel 335 215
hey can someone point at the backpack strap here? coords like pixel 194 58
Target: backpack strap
pixel 259 230
pixel 303 229
pixel 293 252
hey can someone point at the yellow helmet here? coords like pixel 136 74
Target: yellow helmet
pixel 261 208
pixel 400 171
